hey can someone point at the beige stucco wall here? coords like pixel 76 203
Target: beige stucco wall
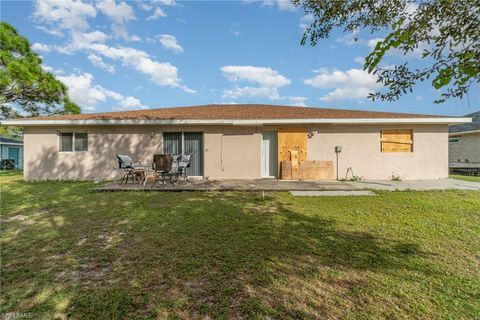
pixel 234 152
pixel 467 148
pixel 361 151
pixel 229 152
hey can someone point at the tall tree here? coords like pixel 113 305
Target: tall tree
pixel 448 30
pixel 25 88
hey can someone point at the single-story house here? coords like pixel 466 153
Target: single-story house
pixel 464 144
pixel 11 149
pixel 240 142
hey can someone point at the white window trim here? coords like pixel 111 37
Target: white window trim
pixel 73 141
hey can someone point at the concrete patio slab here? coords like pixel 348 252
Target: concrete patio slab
pixel 246 185
pixel 420 185
pixel 293 185
pixel 331 193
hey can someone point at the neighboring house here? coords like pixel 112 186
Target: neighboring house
pixel 464 143
pixel 239 141
pixel 12 149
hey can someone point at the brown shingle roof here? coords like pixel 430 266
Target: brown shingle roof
pixel 234 112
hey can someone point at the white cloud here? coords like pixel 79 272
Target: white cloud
pixel 82 92
pixel 81 38
pixel 170 42
pixel 267 82
pixel 120 31
pixel 360 60
pixel 166 2
pixel 297 101
pixel 53 32
pixel 260 75
pixel 135 38
pixel 350 38
pixel 158 13
pixel 350 84
pixel 373 42
pixel 252 92
pixel 65 14
pixel 416 53
pixel 305 21
pixel 72 16
pixel 120 13
pixel 87 96
pixel 98 62
pixel 131 103
pixel 145 6
pixel 162 73
pixel 283 5
pixel 52 69
pixel 41 47
pixel 235 32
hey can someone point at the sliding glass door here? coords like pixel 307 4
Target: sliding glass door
pixel 186 143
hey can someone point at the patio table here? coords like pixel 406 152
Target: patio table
pixel 148 172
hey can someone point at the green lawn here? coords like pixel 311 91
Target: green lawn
pixel 70 252
pixel 465 178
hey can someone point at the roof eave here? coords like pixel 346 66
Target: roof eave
pixel 239 122
pixel 460 133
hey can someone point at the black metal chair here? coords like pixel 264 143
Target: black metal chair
pixel 7 164
pixel 127 164
pixel 183 165
pixel 165 168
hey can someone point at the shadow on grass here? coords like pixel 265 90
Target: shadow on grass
pixel 71 253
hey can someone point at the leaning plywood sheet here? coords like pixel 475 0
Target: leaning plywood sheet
pixel 286 170
pixel 316 170
pixel 295 164
pixel 292 139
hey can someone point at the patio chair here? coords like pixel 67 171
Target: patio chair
pixel 165 168
pixel 183 164
pixel 127 164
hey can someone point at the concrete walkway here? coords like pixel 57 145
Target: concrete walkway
pixel 332 193
pixel 440 184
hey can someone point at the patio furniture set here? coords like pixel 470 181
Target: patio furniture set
pixel 165 167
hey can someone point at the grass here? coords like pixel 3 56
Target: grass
pixel 465 178
pixel 70 252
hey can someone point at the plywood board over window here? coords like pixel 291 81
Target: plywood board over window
pixel 291 139
pixel 396 140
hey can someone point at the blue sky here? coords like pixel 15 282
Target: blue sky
pixel 116 55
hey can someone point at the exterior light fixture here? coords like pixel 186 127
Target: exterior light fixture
pixel 338 149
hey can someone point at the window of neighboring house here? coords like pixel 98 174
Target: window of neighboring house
pixel 453 140
pixel 73 141
pixel 396 140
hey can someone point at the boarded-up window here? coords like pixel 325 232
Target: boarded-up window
pixel 396 140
